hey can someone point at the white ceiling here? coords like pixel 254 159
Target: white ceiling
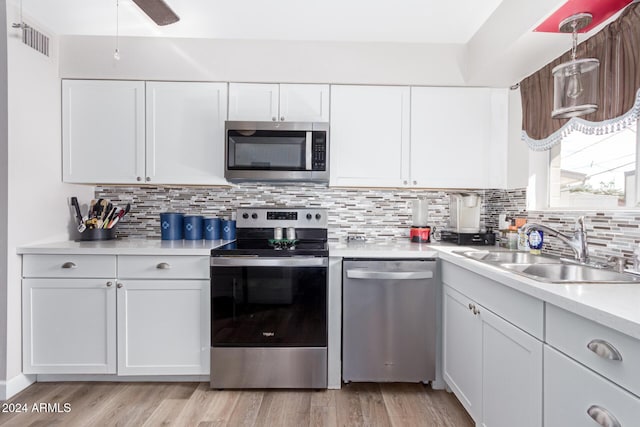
pixel 410 21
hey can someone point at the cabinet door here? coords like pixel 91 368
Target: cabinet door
pixel 511 374
pixel 163 327
pixel 577 396
pixel 450 137
pixel 103 133
pixel 253 102
pixel 462 351
pixel 304 103
pixel 185 132
pixel 369 136
pixel 69 326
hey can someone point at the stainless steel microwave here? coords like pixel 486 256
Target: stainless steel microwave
pixel 276 151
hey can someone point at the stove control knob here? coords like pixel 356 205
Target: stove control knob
pixel 309 217
pixel 254 215
pixel 318 216
pixel 245 215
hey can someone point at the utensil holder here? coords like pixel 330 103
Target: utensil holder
pixel 98 234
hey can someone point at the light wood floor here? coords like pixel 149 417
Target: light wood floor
pixel 194 404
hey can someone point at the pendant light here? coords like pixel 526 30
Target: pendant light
pixel 575 83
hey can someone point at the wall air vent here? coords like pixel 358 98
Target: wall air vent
pixel 34 38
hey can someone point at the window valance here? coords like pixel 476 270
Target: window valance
pixel 617 46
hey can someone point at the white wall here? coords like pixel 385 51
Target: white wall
pixel 4 183
pixel 260 61
pixel 37 199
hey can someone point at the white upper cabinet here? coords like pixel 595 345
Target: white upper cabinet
pixel 103 133
pixel 278 102
pixel 455 135
pixel 253 102
pixel 108 137
pixel 185 132
pixel 304 103
pixel 369 136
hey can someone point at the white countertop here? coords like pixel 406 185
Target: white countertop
pixel 616 305
pixel 126 247
pixel 613 305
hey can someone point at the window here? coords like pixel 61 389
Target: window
pixel 595 171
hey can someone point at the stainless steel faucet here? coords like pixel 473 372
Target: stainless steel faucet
pixel 577 242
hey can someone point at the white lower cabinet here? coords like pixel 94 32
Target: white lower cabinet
pixel 163 327
pixel 69 326
pixel 493 367
pixel 462 346
pixel 577 396
pixel 158 315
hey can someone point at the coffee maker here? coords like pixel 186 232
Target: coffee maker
pixel 420 232
pixel 464 221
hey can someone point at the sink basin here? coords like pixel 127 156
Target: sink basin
pixel 511 257
pixel 569 273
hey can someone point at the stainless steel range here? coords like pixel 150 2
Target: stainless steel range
pixel 269 301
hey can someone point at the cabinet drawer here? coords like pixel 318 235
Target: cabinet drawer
pixel 77 266
pixel 571 391
pixel 522 310
pixel 573 334
pixel 163 267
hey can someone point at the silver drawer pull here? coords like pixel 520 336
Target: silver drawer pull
pixel 604 349
pixel 69 264
pixel 603 417
pixel 163 266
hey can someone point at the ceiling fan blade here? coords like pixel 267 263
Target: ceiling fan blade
pixel 158 11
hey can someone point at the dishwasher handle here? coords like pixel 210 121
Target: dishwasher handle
pixel 363 273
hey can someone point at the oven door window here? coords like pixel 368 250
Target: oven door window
pixel 269 306
pixel 267 150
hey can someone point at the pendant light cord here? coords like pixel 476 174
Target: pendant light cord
pixel 574 47
pixel 116 54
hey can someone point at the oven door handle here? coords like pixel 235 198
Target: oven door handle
pixel 269 262
pixel 361 273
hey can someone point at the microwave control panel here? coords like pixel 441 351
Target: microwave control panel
pixel 319 151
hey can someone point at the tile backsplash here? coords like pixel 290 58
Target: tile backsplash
pixel 374 213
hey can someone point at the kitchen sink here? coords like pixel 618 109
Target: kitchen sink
pixel 511 257
pixel 548 269
pixel 569 273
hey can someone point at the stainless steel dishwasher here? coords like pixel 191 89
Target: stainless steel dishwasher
pixel 388 320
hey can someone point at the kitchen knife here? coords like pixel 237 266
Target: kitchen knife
pixel 76 206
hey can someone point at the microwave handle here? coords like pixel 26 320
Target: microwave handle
pixel 308 151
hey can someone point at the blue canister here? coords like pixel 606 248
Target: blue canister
pixel 171 225
pixel 228 229
pixel 193 225
pixel 212 228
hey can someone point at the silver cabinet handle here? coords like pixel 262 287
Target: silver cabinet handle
pixel 476 311
pixel 415 182
pixel 603 417
pixel 282 119
pixel 163 266
pixel 119 285
pixel 250 261
pixel 147 179
pixel 604 349
pixel 405 182
pixel 471 306
pixel 69 264
pixel 109 284
pixel 273 119
pixel 358 273
pixel 139 178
